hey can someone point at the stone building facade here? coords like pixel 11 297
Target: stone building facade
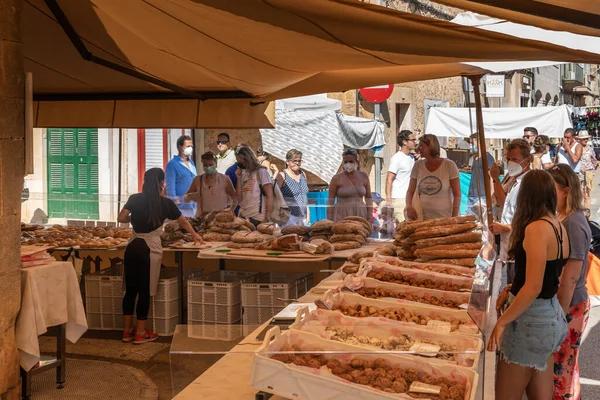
pixel 12 132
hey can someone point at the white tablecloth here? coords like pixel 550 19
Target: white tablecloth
pixel 50 296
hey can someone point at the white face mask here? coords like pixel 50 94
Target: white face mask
pixel 514 168
pixel 349 167
pixel 188 151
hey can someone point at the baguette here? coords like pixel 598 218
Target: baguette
pixel 460 238
pixel 446 230
pixel 408 229
pixel 452 247
pixel 427 254
pixel 465 262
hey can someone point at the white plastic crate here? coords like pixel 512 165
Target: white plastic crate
pixel 271 286
pixel 214 313
pixel 163 309
pixel 163 327
pixel 105 321
pixel 220 288
pixel 104 305
pixel 211 331
pixel 258 315
pixel 101 285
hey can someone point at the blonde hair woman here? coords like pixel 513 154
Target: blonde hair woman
pixel 435 181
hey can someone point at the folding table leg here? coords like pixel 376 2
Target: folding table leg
pixel 25 385
pixel 60 355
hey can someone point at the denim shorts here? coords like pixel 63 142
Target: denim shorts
pixel 534 335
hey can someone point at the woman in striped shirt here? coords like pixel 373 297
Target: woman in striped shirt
pixel 294 188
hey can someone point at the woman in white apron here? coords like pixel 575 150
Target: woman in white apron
pixel 147 212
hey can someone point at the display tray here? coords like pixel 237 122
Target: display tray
pixel 262 255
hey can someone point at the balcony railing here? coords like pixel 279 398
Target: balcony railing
pixel 572 74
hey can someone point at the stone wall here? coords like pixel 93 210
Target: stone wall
pixel 11 181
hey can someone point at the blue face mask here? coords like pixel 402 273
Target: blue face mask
pixel 475 150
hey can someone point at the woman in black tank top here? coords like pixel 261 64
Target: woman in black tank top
pixel 534 325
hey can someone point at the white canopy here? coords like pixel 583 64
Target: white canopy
pixel 561 38
pixel 499 123
pixel 315 102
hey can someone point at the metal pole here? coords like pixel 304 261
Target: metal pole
pixel 482 149
pixel 119 172
pixel 376 111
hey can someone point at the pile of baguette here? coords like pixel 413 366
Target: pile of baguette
pixel 453 240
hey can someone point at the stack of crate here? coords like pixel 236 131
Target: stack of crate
pixel 214 303
pixel 104 297
pixel 260 299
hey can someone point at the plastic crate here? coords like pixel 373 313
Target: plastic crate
pixel 102 285
pixel 211 331
pixel 214 313
pixel 163 327
pixel 220 288
pixel 274 285
pixel 105 322
pixel 259 315
pixel 104 305
pixel 164 309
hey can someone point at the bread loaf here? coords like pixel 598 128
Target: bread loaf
pixel 225 225
pixel 366 224
pixel 349 227
pixel 319 237
pixel 234 245
pixel 410 228
pixel 446 230
pixel 359 255
pixel 225 216
pixel 465 262
pixel 298 230
pixel 247 237
pixel 286 242
pixel 387 250
pixel 218 229
pixel 323 224
pixel 427 254
pixel 459 238
pixel 324 245
pixel 216 237
pixel 266 227
pixel 345 245
pixel 347 237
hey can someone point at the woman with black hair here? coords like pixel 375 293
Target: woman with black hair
pixel 147 212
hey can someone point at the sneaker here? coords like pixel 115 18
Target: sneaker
pixel 128 336
pixel 147 336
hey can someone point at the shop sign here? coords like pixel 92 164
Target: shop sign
pixel 494 85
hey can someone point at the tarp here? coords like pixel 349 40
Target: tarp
pixel 253 49
pixel 577 16
pixel 315 102
pixel 499 123
pixel 321 137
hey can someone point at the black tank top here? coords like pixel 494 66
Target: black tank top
pixel 551 274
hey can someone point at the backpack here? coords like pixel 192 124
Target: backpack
pixel 281 212
pixel 595 246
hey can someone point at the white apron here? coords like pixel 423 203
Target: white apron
pixel 152 239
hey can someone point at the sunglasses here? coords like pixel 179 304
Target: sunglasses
pixel 222 141
pixel 297 162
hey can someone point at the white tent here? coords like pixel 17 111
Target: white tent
pixel 499 123
pixel 315 102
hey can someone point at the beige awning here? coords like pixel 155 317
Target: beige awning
pixel 575 16
pixel 174 55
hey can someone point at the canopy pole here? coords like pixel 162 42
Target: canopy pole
pixel 482 148
pixel 119 172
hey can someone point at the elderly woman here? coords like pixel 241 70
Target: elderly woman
pixel 350 191
pixel 254 187
pixel 435 181
pixel 294 188
pixel 212 191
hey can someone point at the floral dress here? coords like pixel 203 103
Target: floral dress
pixel 566 368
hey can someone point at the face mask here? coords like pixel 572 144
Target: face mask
pixel 188 151
pixel 514 168
pixel 474 150
pixel 210 170
pixel 241 165
pixel 349 167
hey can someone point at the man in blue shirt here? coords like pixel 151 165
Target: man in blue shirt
pixel 231 172
pixel 476 195
pixel 179 174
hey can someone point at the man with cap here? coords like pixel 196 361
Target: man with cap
pixel 588 165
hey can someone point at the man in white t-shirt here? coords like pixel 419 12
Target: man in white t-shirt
pixel 506 192
pixel 398 176
pixel 226 155
pixel 464 144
